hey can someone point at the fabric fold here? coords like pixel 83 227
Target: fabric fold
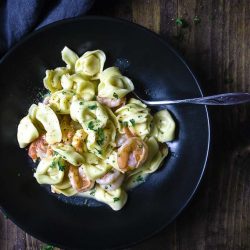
pixel 18 18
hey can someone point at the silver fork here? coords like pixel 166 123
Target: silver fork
pixel 221 99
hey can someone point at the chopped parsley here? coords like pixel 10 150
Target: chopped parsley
pixel 139 178
pixel 47 247
pixel 55 153
pixel 91 125
pixel 92 192
pixel 63 92
pixel 132 121
pixel 115 96
pixel 61 166
pixel 101 137
pixel 81 103
pixel 92 107
pixel 99 152
pixel 196 20
pixel 181 22
pixel 116 199
pixel 53 164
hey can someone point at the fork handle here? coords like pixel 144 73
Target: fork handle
pixel 222 99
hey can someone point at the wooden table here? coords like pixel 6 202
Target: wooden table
pixel 214 38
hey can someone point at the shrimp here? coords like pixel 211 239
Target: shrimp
pixel 128 132
pixel 111 102
pixel 77 140
pixel 39 148
pixel 132 154
pixel 121 139
pixel 111 180
pixel 78 179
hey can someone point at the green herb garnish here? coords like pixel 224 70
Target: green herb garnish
pixel 53 164
pixel 47 247
pixel 81 103
pixel 132 121
pixel 196 20
pixel 61 166
pixel 139 178
pixel 115 96
pixel 181 22
pixel 116 199
pixel 92 192
pixel 91 125
pixel 92 107
pixel 101 136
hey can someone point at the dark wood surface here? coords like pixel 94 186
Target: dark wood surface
pixel 215 41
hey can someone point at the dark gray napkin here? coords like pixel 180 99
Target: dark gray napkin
pixel 20 17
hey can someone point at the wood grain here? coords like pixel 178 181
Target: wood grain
pixel 218 50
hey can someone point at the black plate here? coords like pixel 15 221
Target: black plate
pixel 156 70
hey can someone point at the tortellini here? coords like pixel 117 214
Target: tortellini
pixel 135 115
pixel 163 126
pixel 50 171
pixel 82 87
pixel 85 132
pixel 69 154
pixel 90 114
pixel 60 101
pixel 96 171
pixel 100 139
pixel 70 191
pixel 50 122
pixel 26 132
pixel 52 80
pixel 116 199
pixel 95 121
pixel 113 84
pixel 69 57
pixel 64 187
pixel 91 64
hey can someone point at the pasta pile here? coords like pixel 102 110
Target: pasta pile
pixel 88 137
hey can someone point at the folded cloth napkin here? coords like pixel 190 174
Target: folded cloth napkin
pixel 19 17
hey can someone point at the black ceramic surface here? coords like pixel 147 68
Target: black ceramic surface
pixel 157 72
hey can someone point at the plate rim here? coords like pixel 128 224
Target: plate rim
pixel 178 55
